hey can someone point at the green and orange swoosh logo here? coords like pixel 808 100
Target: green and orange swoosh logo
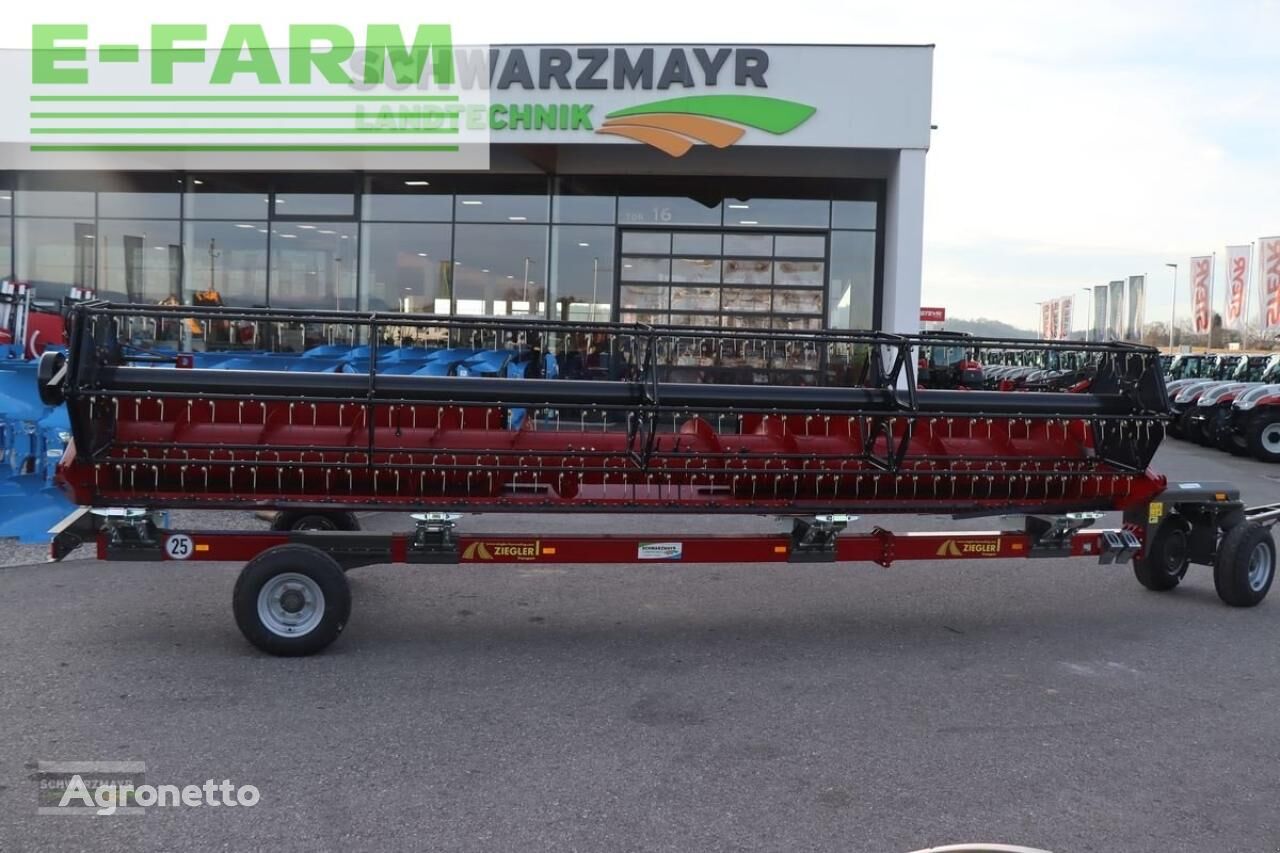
pixel 674 125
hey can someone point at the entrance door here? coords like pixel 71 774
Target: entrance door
pixel 736 279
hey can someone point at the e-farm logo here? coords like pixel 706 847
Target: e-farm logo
pixel 186 87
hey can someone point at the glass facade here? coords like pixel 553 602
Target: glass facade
pixel 698 251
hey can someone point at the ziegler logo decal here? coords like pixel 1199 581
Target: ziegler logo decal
pixel 963 547
pixel 502 551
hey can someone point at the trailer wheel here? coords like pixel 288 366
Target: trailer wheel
pixel 315 520
pixel 1246 565
pixel 1164 562
pixel 291 600
pixel 1264 438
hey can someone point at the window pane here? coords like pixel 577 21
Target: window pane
pixel 583 208
pixel 54 203
pixel 55 255
pixel 641 296
pixel 786 302
pixel 746 299
pixel 581 272
pixel 695 270
pixel 853 214
pixel 795 213
pixel 646 269
pixel 647 242
pixel 6 202
pixel 480 207
pixel 226 262
pixel 798 273
pixel 695 299
pixel 652 318
pixel 139 205
pixel 853 267
pixel 313 265
pixel 407 207
pixel 740 271
pixel 219 205
pixel 696 244
pixel 748 244
pixel 315 204
pixel 139 261
pixel 799 246
pixel 404 267
pixel 657 210
pixel 503 264
pixel 6 249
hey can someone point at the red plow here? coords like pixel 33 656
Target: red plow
pixel 652 419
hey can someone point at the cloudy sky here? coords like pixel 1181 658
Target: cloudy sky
pixel 1078 141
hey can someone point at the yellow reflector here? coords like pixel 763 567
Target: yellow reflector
pixel 779 549
pixel 548 551
pixel 1221 496
pixel 202 547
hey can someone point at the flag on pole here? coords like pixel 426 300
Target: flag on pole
pixel 1053 320
pixel 1115 311
pixel 1201 270
pixel 1238 258
pixel 1064 317
pixel 1137 307
pixel 1045 328
pixel 1100 310
pixel 1269 264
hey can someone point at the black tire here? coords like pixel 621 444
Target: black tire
pixel 1164 562
pixel 1232 443
pixel 291 600
pixel 1262 437
pixel 303 519
pixel 1246 565
pixel 1185 427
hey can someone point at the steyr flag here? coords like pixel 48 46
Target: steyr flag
pixel 1053 320
pixel 1201 275
pixel 1269 257
pixel 1064 317
pixel 1237 286
pixel 1045 328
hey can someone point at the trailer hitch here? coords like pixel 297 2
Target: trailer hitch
pixel 813 540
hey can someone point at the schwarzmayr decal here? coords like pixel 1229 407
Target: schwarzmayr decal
pixel 673 125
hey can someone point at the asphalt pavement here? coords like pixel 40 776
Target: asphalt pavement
pixel 660 707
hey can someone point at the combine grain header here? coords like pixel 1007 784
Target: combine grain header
pixel 629 424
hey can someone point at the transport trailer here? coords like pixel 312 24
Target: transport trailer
pixel 854 436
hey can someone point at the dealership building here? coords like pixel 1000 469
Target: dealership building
pixel 702 185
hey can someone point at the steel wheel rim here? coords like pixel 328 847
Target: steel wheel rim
pixel 1261 564
pixel 290 605
pixel 1271 437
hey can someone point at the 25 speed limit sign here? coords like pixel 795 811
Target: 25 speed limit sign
pixel 179 546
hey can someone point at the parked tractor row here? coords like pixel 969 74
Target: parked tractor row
pixel 1233 404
